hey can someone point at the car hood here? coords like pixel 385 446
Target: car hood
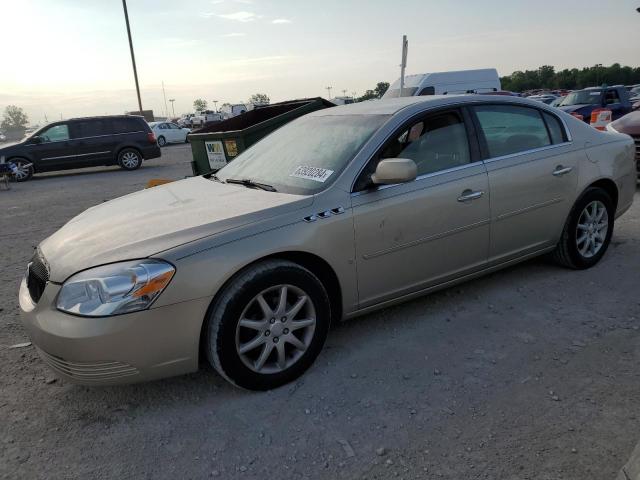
pixel 6 148
pixel 150 221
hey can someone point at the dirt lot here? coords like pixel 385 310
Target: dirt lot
pixel 530 373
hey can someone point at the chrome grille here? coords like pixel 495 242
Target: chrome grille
pixel 37 277
pixel 89 371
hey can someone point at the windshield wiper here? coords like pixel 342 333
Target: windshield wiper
pixel 251 184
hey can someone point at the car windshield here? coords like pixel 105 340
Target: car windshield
pixel 583 97
pixel 306 155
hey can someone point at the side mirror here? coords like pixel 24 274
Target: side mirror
pixel 36 140
pixel 395 170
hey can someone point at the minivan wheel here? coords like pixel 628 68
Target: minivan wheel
pixel 587 232
pixel 161 141
pixel 268 325
pixel 24 170
pixel 129 159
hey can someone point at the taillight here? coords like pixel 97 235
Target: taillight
pixel 151 137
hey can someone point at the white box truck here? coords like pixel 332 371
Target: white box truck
pixel 446 83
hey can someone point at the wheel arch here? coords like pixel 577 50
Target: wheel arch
pixel 128 147
pixel 312 262
pixel 608 186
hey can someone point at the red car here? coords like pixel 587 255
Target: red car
pixel 629 124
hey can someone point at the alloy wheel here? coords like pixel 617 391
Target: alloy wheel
pixel 592 228
pixel 22 170
pixel 130 160
pixel 275 329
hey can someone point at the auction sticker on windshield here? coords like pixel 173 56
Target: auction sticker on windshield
pixel 215 153
pixel 312 173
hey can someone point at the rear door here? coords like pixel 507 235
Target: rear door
pixel 533 171
pixel 94 140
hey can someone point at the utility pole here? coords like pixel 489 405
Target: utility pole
pixel 328 89
pixel 344 92
pixel 133 57
pixel 403 63
pixel 215 105
pixel 172 108
pixel 166 110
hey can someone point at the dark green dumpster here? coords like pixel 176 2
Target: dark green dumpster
pixel 213 146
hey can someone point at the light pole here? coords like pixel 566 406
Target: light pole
pixel 172 108
pixel 215 105
pixel 133 57
pixel 328 89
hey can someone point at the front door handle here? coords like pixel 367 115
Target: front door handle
pixel 560 170
pixel 469 195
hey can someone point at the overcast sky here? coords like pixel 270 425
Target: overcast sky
pixel 71 57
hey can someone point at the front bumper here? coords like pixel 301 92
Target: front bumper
pixel 134 347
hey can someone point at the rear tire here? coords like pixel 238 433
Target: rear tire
pixel 277 340
pixel 129 159
pixel 161 141
pixel 587 231
pixel 25 169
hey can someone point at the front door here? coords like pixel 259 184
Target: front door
pixel 418 234
pixel 533 172
pixel 54 149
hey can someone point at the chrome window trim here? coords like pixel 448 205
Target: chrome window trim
pixel 421 177
pixel 77 155
pixel 526 152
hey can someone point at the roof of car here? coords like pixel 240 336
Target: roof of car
pixel 393 105
pixel 98 117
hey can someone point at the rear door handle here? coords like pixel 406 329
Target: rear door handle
pixel 560 170
pixel 469 195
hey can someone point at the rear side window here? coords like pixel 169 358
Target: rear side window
pixel 556 130
pixel 127 125
pixel 511 129
pixel 91 128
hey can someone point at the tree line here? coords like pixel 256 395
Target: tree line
pixel 546 77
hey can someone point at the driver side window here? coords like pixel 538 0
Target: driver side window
pixel 57 133
pixel 436 143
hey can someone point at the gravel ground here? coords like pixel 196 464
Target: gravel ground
pixel 529 373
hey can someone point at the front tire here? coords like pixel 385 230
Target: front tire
pixel 162 141
pixel 24 169
pixel 587 232
pixel 129 159
pixel 268 325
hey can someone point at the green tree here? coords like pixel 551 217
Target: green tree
pixel 199 104
pixel 259 99
pixel 377 92
pixel 381 88
pixel 14 118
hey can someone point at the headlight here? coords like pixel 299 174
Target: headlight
pixel 114 289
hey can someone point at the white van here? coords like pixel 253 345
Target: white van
pixel 446 83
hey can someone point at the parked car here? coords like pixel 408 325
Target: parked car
pixel 629 124
pixel 169 132
pixel 204 117
pixel 583 102
pixel 557 101
pixel 340 212
pixel 443 83
pixel 548 99
pixel 83 142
